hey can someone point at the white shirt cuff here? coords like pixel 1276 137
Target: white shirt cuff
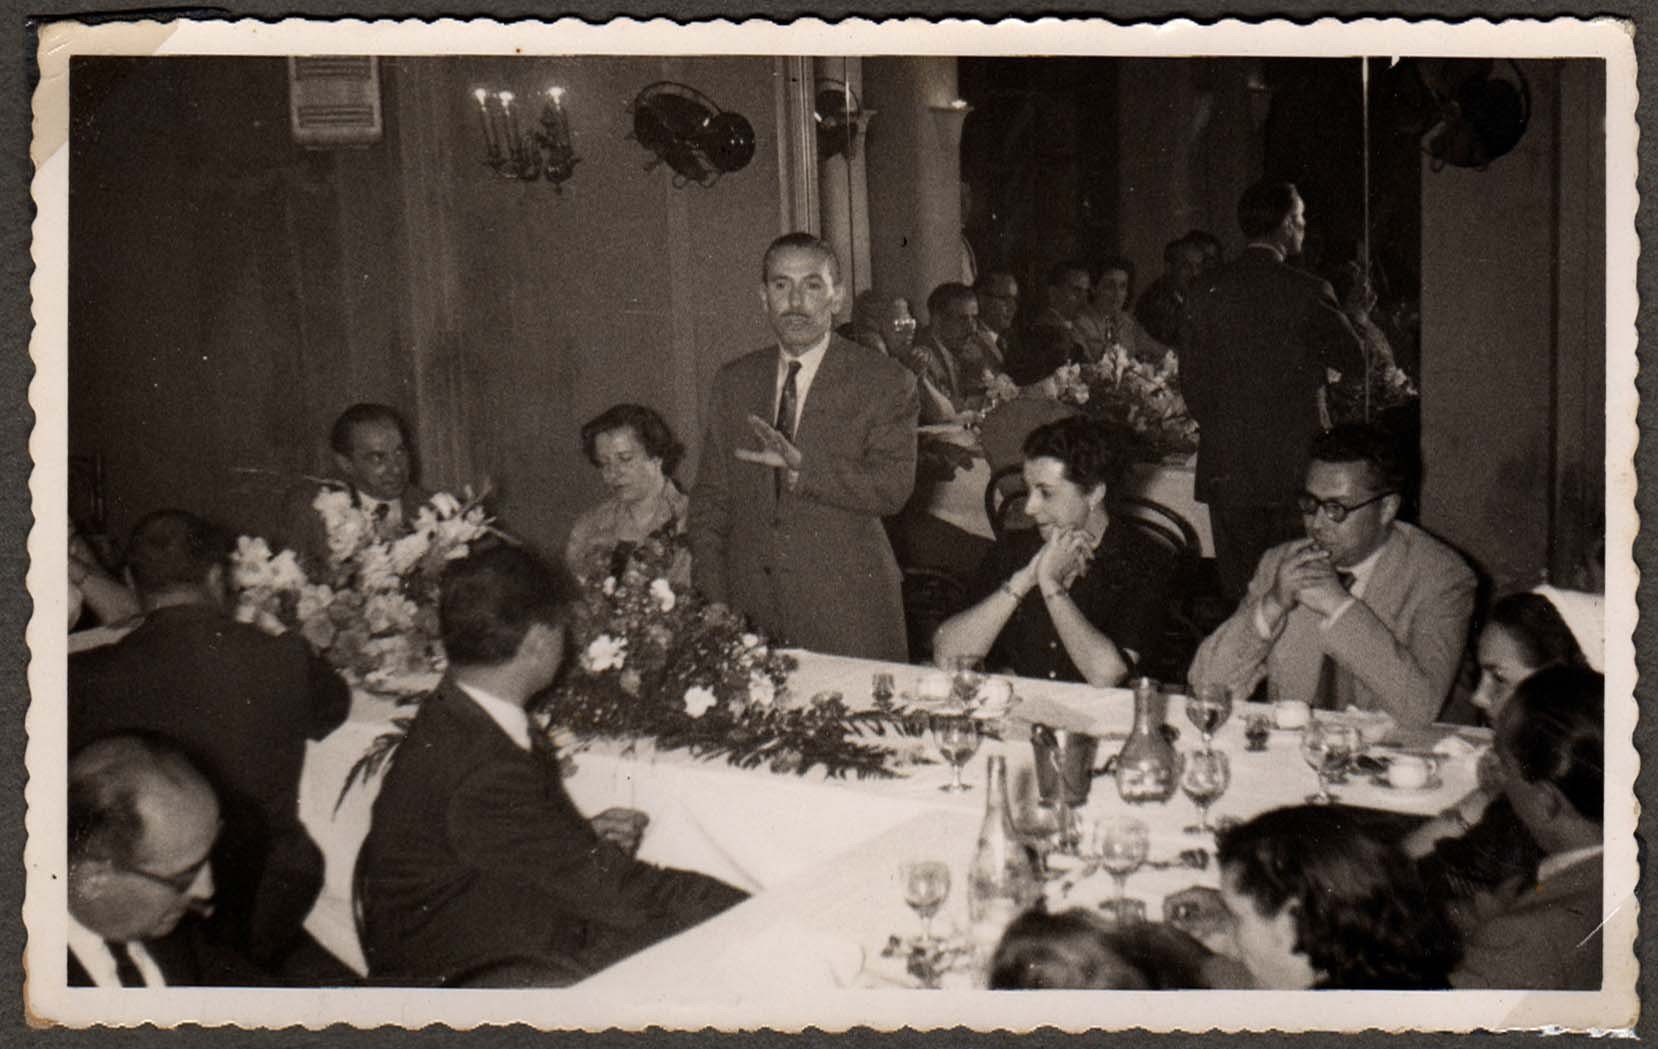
pixel 1263 628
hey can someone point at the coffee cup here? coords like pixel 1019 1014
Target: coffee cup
pixel 1411 771
pixel 1290 713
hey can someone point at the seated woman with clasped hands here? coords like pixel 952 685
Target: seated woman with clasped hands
pixel 636 453
pixel 1082 596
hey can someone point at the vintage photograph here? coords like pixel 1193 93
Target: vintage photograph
pixel 767 526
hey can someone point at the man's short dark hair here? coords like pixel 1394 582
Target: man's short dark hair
pixel 175 548
pixel 649 427
pixel 1203 240
pixel 107 778
pixel 1559 734
pixel 1362 443
pixel 1116 262
pixel 341 436
pixel 946 295
pixel 1534 625
pixel 1362 916
pixel 1090 453
pixel 1062 269
pixel 1264 207
pixel 1068 951
pixel 489 600
pixel 806 242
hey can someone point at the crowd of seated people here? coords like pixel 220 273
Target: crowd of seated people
pixel 811 442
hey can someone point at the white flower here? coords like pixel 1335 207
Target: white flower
pixel 313 601
pixel 389 612
pixel 604 653
pixel 445 504
pixel 698 700
pixel 662 592
pixel 377 573
pixel 608 586
pixel 761 691
pixel 751 640
pixel 407 551
pixel 285 571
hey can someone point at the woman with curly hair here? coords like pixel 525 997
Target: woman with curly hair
pixel 636 454
pixel 1081 597
pixel 1317 901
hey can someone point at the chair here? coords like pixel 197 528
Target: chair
pixel 931 595
pixel 1174 534
pixel 1004 500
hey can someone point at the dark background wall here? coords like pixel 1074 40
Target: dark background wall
pixel 230 292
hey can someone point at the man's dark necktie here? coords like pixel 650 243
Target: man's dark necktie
pixel 126 970
pixel 787 407
pixel 1325 698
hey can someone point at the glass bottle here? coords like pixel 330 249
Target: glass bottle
pixel 1001 881
pixel 1146 765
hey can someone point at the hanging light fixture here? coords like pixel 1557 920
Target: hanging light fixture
pixel 526 154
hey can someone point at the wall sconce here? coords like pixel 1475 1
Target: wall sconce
pixel 949 120
pixel 526 155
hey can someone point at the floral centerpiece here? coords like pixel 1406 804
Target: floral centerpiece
pixel 373 612
pixel 1133 396
pixel 662 663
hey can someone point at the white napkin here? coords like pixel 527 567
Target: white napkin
pixel 790 955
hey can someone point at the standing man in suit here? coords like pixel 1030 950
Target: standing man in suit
pixel 1260 340
pixel 809 444
pixel 142 821
pixel 477 863
pixel 1365 611
pixel 374 455
pixel 242 703
pixel 1551 748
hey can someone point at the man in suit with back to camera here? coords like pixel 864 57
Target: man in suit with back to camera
pixel 1259 340
pixel 141 824
pixel 374 455
pixel 809 444
pixel 1365 611
pixel 477 863
pixel 242 703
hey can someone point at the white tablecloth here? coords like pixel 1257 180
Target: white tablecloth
pixel 818 853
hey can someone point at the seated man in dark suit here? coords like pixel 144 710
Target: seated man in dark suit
pixel 142 821
pixel 1052 340
pixel 373 453
pixel 242 703
pixel 1551 748
pixel 476 856
pixel 1366 611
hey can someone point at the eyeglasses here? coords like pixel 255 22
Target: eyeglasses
pixel 1310 504
pixel 176 883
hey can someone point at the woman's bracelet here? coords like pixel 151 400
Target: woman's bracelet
pixel 1007 588
pixel 1049 595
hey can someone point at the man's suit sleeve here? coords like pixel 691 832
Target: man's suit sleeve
pixel 1235 655
pixel 879 481
pixel 709 515
pixel 503 818
pixel 1410 674
pixel 329 695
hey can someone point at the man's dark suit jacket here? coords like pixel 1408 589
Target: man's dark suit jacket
pixel 476 855
pixel 187 958
pixel 1258 339
pixel 242 703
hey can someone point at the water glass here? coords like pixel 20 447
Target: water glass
pixel 957 739
pixel 926 886
pixel 1209 707
pixel 1204 777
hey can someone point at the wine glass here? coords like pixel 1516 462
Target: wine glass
pixel 1205 777
pixel 1121 843
pixel 926 885
pixel 957 739
pixel 1208 707
pixel 1042 828
pixel 1326 746
pixel 966 676
pixel 882 687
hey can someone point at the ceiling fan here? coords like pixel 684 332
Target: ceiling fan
pixel 687 131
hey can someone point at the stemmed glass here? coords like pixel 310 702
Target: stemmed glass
pixel 957 739
pixel 926 885
pixel 1205 776
pixel 882 687
pixel 1042 828
pixel 1121 843
pixel 966 676
pixel 1208 707
pixel 1326 746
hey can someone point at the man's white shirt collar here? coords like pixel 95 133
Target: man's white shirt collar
pixel 1362 571
pixel 510 716
pixel 93 954
pixel 809 364
pixel 1560 861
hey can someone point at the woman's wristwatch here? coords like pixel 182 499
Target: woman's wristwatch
pixel 1007 588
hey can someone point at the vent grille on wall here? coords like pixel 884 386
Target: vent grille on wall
pixel 334 101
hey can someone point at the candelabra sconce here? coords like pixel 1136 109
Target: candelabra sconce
pixel 525 155
pixel 949 120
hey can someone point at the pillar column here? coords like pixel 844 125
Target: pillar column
pixel 843 183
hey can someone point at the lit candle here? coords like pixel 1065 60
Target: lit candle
pixel 482 97
pixel 511 118
pixel 560 128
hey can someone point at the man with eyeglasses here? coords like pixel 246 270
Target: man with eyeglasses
pixel 1366 611
pixel 142 823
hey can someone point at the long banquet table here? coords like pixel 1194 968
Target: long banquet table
pixel 820 855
